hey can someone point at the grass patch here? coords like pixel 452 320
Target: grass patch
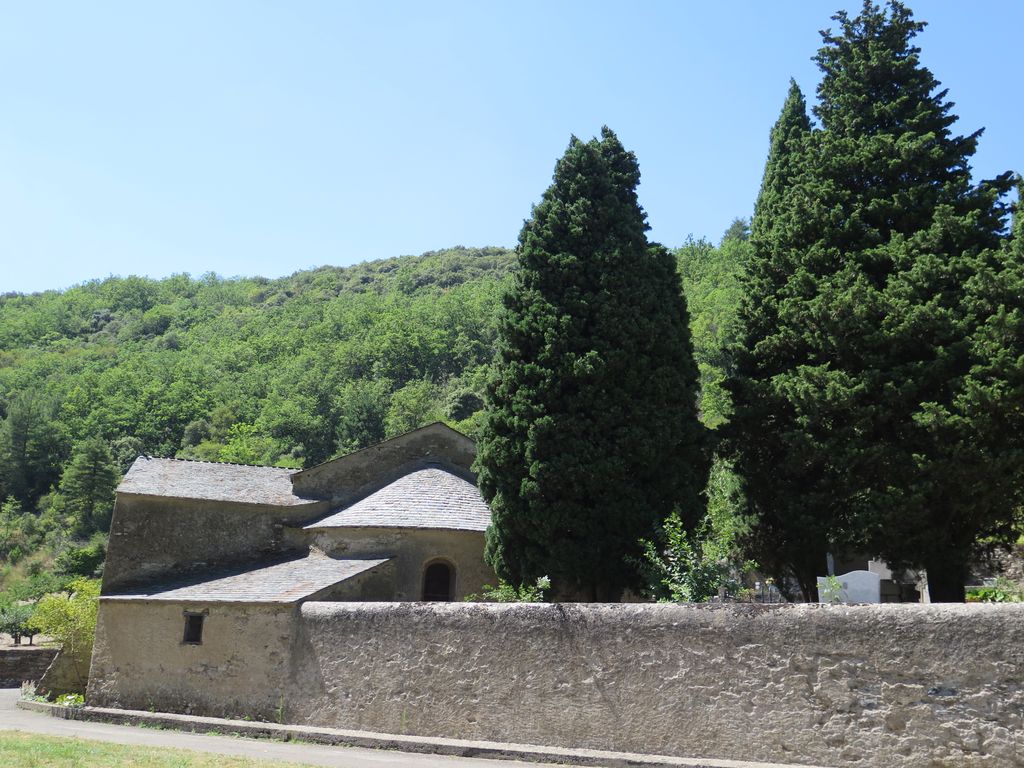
pixel 28 750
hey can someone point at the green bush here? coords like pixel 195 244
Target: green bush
pixel 508 593
pixel 70 617
pixel 1003 591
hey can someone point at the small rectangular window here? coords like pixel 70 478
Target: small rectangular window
pixel 193 628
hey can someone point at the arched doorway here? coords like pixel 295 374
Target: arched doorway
pixel 438 581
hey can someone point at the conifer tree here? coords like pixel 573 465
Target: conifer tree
pixel 788 514
pixel 591 435
pixel 873 348
pixel 87 485
pixel 30 448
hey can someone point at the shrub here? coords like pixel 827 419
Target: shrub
pixel 1003 591
pixel 507 593
pixel 70 617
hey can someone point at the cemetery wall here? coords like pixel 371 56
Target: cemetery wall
pixel 839 685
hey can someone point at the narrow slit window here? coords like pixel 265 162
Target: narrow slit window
pixel 193 628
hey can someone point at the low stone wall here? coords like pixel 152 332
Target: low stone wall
pixel 898 686
pixel 20 664
pixel 68 673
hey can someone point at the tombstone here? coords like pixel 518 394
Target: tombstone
pixel 855 587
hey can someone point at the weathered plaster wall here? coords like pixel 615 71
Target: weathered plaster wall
pixel 376 584
pixel 67 673
pixel 240 669
pixel 412 550
pixel 23 663
pixel 898 686
pixel 151 537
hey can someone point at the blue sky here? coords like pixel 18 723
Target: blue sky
pixel 261 138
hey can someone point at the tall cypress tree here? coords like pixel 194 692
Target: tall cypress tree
pixel 591 435
pixel 789 506
pixel 877 323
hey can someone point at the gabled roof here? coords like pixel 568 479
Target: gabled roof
pixel 268 582
pixel 426 498
pixel 435 427
pixel 346 477
pixel 183 479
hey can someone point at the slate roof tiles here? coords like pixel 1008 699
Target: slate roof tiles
pixel 426 498
pixel 181 479
pixel 276 582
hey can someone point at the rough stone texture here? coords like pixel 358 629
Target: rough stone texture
pixel 411 551
pixel 241 668
pixel 349 478
pixel 425 498
pixel 305 735
pixel 898 686
pixel 152 537
pixel 173 518
pixel 1009 564
pixel 276 582
pixel 211 480
pixel 67 673
pixel 23 663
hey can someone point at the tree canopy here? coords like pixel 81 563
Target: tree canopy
pixel 860 343
pixel 591 435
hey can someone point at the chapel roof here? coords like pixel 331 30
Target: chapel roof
pixel 269 582
pixel 431 497
pixel 208 480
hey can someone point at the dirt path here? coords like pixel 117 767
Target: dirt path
pixel 14 719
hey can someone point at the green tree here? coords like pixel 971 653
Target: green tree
pixel 414 405
pixel 30 448
pixel 16 621
pixel 713 289
pixel 87 486
pixel 861 359
pixel 69 618
pixel 789 514
pixel 591 436
pixel 246 445
pixel 82 560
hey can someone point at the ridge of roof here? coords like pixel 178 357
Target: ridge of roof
pixel 217 463
pixel 383 442
pixel 211 481
pixel 430 497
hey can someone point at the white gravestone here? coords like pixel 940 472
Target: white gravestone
pixel 855 587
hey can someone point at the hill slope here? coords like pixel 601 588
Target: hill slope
pixel 289 371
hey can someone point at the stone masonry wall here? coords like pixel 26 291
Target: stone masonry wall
pixel 241 668
pixel 899 686
pixel 412 550
pixel 152 538
pixel 20 664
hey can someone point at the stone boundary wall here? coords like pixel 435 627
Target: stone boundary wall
pixel 899 686
pixel 23 663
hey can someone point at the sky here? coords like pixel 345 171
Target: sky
pixel 259 138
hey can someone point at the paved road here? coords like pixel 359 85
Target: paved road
pixel 14 719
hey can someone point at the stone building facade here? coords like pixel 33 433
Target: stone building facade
pixel 207 561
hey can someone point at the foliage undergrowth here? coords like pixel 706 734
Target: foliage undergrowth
pixel 509 593
pixel 1003 591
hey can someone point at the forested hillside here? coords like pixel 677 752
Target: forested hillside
pixel 288 372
